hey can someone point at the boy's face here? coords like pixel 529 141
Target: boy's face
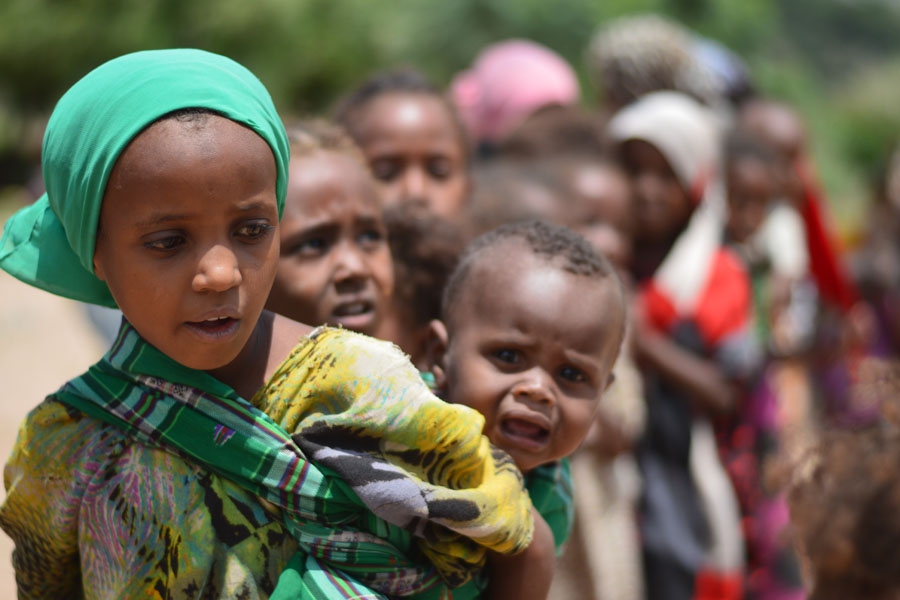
pixel 531 347
pixel 335 264
pixel 188 239
pixel 750 189
pixel 415 151
pixel 661 204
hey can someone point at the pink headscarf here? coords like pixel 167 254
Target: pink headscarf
pixel 509 81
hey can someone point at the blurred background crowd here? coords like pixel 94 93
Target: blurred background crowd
pixel 736 161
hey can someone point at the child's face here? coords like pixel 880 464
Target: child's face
pixel 607 222
pixel 335 264
pixel 661 204
pixel 531 347
pixel 415 151
pixel 750 189
pixel 188 239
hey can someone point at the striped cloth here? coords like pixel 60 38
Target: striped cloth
pixel 419 466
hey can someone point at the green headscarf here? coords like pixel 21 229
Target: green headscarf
pixel 50 244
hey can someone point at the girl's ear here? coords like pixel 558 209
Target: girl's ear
pixel 436 345
pixel 98 267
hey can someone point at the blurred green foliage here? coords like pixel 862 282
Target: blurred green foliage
pixel 838 61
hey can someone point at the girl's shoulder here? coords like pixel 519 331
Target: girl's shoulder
pixel 72 434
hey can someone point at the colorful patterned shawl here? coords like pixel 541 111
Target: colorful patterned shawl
pixel 374 442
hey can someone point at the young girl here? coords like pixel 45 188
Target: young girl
pixel 151 475
pixel 509 81
pixel 413 140
pixel 335 266
pixel 533 319
pixel 691 341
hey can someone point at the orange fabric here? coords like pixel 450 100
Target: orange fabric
pixel 723 307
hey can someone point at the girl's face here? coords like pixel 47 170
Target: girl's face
pixel 335 264
pixel 415 150
pixel 662 206
pixel 188 239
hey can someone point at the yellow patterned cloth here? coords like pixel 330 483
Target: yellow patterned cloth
pixel 414 460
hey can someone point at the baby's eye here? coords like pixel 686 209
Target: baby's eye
pixel 254 231
pixel 165 244
pixel 572 374
pixel 507 355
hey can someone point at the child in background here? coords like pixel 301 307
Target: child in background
pixel 601 210
pixel 424 249
pixel 691 342
pixel 152 474
pixel 844 329
pixel 603 558
pixel 509 81
pixel 506 191
pixel 413 140
pixel 771 418
pixel 877 261
pixel 335 266
pixel 533 320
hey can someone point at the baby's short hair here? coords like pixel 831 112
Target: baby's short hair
pixel 555 244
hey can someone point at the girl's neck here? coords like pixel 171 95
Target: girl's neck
pixel 247 372
pixel 272 341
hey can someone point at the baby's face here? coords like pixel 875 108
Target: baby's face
pixel 531 347
pixel 188 239
pixel 416 151
pixel 335 264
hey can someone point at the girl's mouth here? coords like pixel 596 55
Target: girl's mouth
pixel 214 328
pixel 357 316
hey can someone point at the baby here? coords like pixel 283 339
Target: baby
pixel 533 320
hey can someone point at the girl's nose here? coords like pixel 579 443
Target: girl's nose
pixel 218 270
pixel 350 262
pixel 415 183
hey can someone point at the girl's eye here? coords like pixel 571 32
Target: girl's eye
pixel 385 169
pixel 370 237
pixel 440 168
pixel 572 374
pixel 311 247
pixel 506 355
pixel 254 231
pixel 165 244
